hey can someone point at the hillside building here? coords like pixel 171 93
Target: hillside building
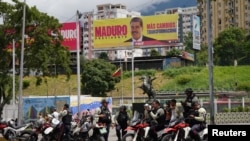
pixel 224 13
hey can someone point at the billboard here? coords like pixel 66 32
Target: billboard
pixel 154 30
pixel 69 34
pixel 196 33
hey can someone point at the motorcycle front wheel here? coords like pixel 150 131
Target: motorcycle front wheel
pixel 29 136
pixel 168 137
pixel 97 138
pixel 130 137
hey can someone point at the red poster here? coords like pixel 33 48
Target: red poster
pixel 69 33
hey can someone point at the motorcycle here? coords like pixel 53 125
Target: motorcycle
pixel 52 132
pixel 98 132
pixel 140 130
pixel 3 124
pixel 81 132
pixel 12 132
pixel 179 130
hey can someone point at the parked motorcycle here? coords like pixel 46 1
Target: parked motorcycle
pixel 81 132
pixel 23 132
pixel 3 124
pixel 98 132
pixel 52 132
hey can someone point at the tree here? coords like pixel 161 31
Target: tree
pixel 104 56
pixel 174 52
pixel 201 56
pixel 41 49
pixel 188 42
pixel 229 46
pixel 153 52
pixel 97 77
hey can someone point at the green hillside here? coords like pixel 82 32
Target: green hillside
pixel 170 80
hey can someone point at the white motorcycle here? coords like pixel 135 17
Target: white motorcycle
pixel 12 132
pixel 82 131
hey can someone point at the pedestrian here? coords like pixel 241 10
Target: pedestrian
pixel 121 121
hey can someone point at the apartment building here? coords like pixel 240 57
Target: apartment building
pixel 105 11
pixel 224 13
pixel 185 22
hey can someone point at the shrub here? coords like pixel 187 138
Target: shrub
pixel 240 109
pixel 183 79
pixel 226 110
pixel 244 86
pixel 26 84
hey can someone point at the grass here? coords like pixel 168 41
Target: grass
pixel 172 80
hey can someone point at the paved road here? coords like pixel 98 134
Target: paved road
pixel 112 136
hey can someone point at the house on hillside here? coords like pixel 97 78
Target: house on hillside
pixel 156 62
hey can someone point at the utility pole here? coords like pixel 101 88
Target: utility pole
pixel 210 64
pixel 78 16
pixel 20 97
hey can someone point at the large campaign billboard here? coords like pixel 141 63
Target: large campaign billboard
pixel 161 30
pixel 69 34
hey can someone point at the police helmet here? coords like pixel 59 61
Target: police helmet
pixel 123 107
pixel 66 105
pixel 104 101
pixel 188 91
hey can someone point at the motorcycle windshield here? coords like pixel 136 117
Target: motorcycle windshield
pixel 136 116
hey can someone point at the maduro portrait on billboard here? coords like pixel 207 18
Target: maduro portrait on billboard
pixel 139 31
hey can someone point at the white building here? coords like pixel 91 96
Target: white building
pixel 105 11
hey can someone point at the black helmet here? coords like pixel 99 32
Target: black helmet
pixel 104 101
pixel 123 107
pixel 66 105
pixel 188 91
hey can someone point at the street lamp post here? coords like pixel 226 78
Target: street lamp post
pixel 13 72
pixel 20 100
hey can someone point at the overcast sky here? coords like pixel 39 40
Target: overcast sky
pixel 64 10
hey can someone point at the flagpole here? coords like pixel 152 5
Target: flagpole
pixel 121 76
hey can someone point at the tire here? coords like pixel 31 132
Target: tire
pixel 98 138
pixel 29 136
pixel 9 134
pixel 128 137
pixel 45 138
pixel 168 137
pixel 205 138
